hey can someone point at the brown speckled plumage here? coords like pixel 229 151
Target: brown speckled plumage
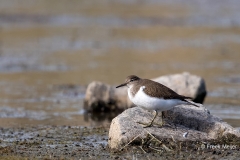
pixel 157 90
pixel 153 89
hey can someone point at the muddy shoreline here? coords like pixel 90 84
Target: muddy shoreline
pixel 53 142
pixel 75 142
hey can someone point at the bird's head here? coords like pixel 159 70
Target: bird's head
pixel 130 80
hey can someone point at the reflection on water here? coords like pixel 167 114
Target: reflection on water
pixel 50 51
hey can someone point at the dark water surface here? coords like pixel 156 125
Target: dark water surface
pixel 51 50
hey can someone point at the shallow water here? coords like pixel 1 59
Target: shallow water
pixel 50 51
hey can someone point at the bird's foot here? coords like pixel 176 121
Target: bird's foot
pixel 151 123
pixel 161 124
pixel 145 125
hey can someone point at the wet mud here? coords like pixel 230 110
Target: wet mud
pixel 54 142
pixel 74 142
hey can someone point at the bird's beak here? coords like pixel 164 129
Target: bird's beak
pixel 121 85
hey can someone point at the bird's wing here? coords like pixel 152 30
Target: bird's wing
pixel 160 91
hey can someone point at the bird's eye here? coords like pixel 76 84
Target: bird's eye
pixel 131 80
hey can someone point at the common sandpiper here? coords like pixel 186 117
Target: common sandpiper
pixel 152 95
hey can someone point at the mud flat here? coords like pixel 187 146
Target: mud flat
pixel 72 142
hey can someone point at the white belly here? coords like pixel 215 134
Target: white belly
pixel 152 103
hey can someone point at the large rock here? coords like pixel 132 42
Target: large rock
pixel 183 123
pixel 101 97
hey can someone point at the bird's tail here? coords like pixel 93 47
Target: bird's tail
pixel 189 100
pixel 192 103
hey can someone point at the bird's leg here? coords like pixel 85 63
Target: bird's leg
pixel 161 124
pixel 150 124
pixel 165 115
